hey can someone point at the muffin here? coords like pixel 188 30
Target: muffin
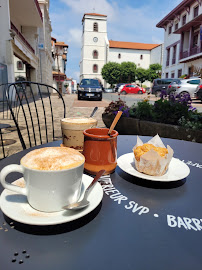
pixel 153 157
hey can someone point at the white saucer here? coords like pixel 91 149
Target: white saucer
pixel 16 207
pixel 177 169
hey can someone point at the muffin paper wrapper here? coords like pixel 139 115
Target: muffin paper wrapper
pixel 152 163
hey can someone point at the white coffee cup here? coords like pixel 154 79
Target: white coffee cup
pixel 53 177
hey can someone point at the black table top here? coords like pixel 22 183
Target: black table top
pixel 118 234
pixel 4 126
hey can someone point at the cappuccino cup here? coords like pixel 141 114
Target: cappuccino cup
pixel 72 131
pixel 53 177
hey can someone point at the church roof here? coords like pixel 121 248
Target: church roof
pixel 132 45
pixel 95 14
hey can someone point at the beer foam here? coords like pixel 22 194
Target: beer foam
pixel 53 159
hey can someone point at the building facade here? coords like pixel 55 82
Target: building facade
pixel 97 50
pixel 182 40
pixel 25 44
pixel 59 57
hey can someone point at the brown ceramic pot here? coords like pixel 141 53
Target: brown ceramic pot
pixel 100 150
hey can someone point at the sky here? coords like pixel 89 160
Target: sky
pixel 127 20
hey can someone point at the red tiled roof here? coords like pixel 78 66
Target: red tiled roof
pixel 57 73
pixel 61 43
pixel 53 39
pixel 132 45
pixel 95 14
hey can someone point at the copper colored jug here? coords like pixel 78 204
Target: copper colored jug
pixel 100 150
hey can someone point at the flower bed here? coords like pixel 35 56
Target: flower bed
pixel 171 117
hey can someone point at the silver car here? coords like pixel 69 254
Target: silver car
pixel 185 86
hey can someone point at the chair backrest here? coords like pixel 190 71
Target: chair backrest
pixel 4 109
pixel 36 110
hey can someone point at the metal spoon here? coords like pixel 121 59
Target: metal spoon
pixel 93 112
pixel 84 202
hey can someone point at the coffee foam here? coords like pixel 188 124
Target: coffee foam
pixel 78 120
pixel 53 159
pixel 78 123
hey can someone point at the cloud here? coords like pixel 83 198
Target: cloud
pixel 75 36
pixel 93 6
pixel 127 20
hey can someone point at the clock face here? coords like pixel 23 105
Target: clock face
pixel 95 39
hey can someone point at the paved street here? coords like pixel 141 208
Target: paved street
pixel 75 108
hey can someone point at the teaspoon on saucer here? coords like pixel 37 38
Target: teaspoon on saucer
pixel 84 202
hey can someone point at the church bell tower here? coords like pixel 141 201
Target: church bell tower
pixel 94 46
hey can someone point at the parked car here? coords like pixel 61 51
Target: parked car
pixel 185 86
pixel 198 93
pixel 109 90
pixel 161 84
pixel 90 89
pixel 121 87
pixel 118 86
pixel 132 89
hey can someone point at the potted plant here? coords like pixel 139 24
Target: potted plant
pixel 170 116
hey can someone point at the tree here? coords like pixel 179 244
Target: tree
pixel 128 71
pixel 111 73
pixel 154 72
pixel 141 74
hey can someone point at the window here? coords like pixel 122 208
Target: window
pixel 172 75
pixel 190 71
pixel 195 40
pixel 194 82
pixel 168 57
pixel 166 81
pixel 166 74
pixel 20 65
pixel 141 56
pixel 95 27
pixel 119 55
pixel 179 73
pixel 95 54
pixel 195 11
pixel 176 26
pixel 170 30
pixel 158 82
pixel 95 68
pixel 184 19
pixel 174 54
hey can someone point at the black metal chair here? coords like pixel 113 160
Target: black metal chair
pixel 35 107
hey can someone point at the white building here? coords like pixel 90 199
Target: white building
pixel 97 50
pixel 182 39
pixel 24 27
pixel 59 57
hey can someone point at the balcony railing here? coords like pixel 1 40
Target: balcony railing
pixel 184 54
pixel 22 37
pixel 193 51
